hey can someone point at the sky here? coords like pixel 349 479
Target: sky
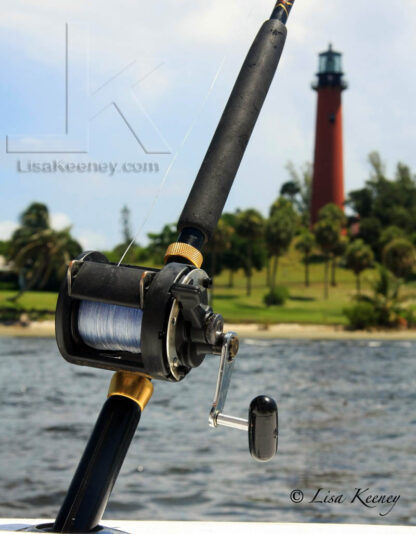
pixel 114 103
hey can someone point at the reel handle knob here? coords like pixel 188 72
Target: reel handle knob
pixel 263 428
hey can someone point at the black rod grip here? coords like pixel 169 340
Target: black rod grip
pixel 209 193
pixel 100 464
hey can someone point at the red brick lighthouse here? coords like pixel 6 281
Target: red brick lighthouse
pixel 328 170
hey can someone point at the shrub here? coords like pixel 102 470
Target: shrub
pixel 384 308
pixel 9 315
pixel 408 317
pixel 8 286
pixel 276 296
pixel 361 316
pixel 399 257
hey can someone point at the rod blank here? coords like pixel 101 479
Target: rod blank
pixel 282 9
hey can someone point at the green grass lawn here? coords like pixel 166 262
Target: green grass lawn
pixel 37 304
pixel 305 305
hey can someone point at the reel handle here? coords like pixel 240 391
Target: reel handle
pixel 263 428
pixel 262 423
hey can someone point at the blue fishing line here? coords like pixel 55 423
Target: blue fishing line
pixel 110 327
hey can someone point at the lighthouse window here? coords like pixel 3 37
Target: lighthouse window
pixel 330 62
pixel 337 63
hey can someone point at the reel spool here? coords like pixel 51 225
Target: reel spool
pixel 157 323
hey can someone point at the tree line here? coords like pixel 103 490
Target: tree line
pixel 381 228
pixel 377 227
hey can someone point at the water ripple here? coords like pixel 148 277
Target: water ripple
pixel 346 421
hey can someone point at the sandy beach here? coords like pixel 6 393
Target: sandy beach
pixel 33 329
pixel 255 331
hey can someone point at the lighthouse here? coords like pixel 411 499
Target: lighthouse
pixel 328 169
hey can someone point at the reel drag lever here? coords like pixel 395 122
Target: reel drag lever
pixel 262 423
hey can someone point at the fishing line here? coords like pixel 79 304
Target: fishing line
pixel 109 327
pixel 175 157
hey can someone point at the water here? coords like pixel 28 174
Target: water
pixel 347 420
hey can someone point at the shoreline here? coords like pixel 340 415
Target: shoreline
pixel 46 329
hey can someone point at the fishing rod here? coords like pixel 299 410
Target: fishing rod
pixel 148 324
pixel 209 193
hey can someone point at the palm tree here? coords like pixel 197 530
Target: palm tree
pixel 333 213
pixel 250 227
pixel 219 243
pixel 338 251
pixel 359 257
pixel 230 258
pixel 158 243
pixel 328 231
pixel 298 189
pixel 35 217
pixel 387 235
pixel 37 251
pixel 305 245
pixel 327 236
pixel 280 230
pixel 399 257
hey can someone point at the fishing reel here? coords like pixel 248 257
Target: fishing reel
pixel 157 323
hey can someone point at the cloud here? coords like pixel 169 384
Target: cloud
pixel 215 22
pixel 59 221
pixel 6 229
pixel 91 240
pixel 190 41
